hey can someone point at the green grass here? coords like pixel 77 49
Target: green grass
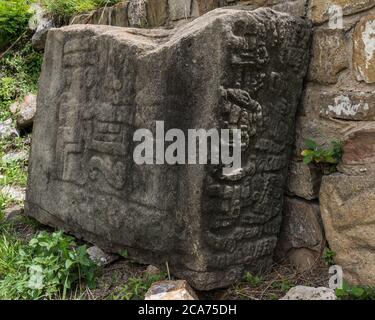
pixel 14 17
pixel 49 266
pixel 253 281
pixel 328 257
pixel 355 293
pixel 13 173
pixel 4 203
pixel 20 71
pixel 284 284
pixel 15 144
pixel 67 8
pixel 136 287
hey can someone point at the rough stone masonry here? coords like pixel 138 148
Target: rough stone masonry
pixel 227 69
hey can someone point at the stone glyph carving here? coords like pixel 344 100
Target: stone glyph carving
pixel 228 69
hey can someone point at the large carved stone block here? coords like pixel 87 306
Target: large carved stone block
pixel 227 69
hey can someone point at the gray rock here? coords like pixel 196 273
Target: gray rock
pixel 15 193
pixel 293 7
pixel 26 111
pixel 171 290
pixel 13 213
pixel 100 257
pixel 7 130
pixel 179 9
pixel 137 13
pixel 116 15
pixel 40 36
pixel 152 270
pixel 227 69
pixel 304 180
pixel 15 156
pixel 301 238
pixel 309 293
pixel 37 14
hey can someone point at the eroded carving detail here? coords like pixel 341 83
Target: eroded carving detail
pixel 243 212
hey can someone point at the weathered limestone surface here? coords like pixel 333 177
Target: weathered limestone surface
pixel 116 15
pixel 227 69
pixel 157 13
pixel 341 105
pixel 328 56
pixel 322 10
pixel 304 181
pixel 310 293
pixel 302 236
pixel 171 290
pixel 347 208
pixel 364 49
pixel 25 111
pixel 359 145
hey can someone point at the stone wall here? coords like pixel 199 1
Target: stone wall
pixel 168 13
pixel 338 104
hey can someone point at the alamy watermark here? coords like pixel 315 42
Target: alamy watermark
pixel 337 279
pixel 217 147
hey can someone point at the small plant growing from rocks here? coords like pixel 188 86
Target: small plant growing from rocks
pixel 328 256
pixel 253 281
pixel 326 159
pixel 136 287
pixel 348 292
pixel 48 267
pixel 284 284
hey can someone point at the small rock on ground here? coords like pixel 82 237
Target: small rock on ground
pixel 7 130
pixel 25 111
pixel 15 193
pixel 100 257
pixel 13 213
pixel 171 290
pixel 152 270
pixel 15 156
pixel 310 293
pixel 40 23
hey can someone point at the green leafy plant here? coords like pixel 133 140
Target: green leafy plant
pixel 14 17
pixel 124 253
pixel 20 70
pixel 66 8
pixel 348 292
pixel 272 296
pixel 253 281
pixel 47 267
pixel 328 257
pixel 324 158
pixel 136 287
pixel 285 285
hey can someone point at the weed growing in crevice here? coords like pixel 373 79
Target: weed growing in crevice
pixel 326 159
